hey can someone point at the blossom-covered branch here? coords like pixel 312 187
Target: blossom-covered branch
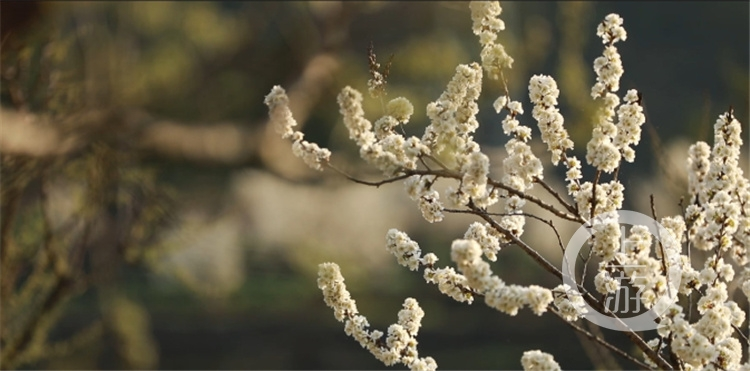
pixel 717 220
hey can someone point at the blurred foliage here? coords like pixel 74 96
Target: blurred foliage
pixel 70 221
pixel 213 295
pixel 131 326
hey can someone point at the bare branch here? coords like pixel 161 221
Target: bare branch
pixel 557 196
pixel 374 184
pixel 538 202
pixel 603 342
pixel 545 221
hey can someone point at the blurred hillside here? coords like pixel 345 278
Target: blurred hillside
pixel 170 228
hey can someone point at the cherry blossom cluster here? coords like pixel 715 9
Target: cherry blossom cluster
pixel 409 255
pixel 467 254
pixel 474 276
pixel 543 93
pixel 717 221
pixel 650 274
pixel 486 25
pixel 719 217
pixel 399 345
pixel 630 117
pixel 535 360
pixel 521 168
pixel 569 303
pixel 611 142
pixel 379 144
pixel 706 344
pixel 281 116
pixel 452 115
pixel 418 189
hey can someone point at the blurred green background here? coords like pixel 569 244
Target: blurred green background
pixel 135 137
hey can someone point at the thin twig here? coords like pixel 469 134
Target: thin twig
pixel 607 356
pixel 743 337
pixel 455 175
pixel 530 251
pixel 556 195
pixel 421 161
pixel 375 184
pixel 661 245
pixel 586 264
pixel 592 351
pixel 538 202
pixel 593 194
pixel 435 160
pixel 603 342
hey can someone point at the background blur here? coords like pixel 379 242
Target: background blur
pixel 151 219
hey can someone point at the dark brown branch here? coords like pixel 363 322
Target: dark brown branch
pixel 557 196
pixel 545 221
pixel 637 340
pixel 605 355
pixel 602 342
pixel 455 175
pixel 374 184
pixel 538 202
